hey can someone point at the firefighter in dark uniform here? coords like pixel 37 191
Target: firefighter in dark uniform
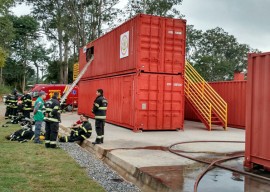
pixel 81 133
pixel 99 109
pixel 26 104
pixel 13 100
pixel 8 109
pixel 52 119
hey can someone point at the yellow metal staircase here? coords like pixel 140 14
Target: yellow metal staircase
pixel 204 100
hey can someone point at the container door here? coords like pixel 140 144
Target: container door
pixel 160 102
pixel 127 101
pixel 174 45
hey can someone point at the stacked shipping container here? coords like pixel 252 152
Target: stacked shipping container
pixel 140 66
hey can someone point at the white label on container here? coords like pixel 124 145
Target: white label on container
pixel 84 49
pixel 168 84
pixel 124 44
pixel 178 32
pixel 144 106
pixel 177 84
pixel 170 32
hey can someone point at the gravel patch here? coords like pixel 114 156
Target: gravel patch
pixel 97 170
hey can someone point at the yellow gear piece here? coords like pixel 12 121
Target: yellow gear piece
pixel 41 137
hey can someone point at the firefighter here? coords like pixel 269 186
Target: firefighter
pixel 13 100
pixel 38 115
pixel 81 133
pixel 26 104
pixel 99 109
pixel 52 120
pixel 8 109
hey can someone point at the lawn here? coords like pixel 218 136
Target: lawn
pixel 32 167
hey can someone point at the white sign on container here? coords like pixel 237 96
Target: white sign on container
pixel 124 44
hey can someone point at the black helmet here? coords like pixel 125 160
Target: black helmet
pixel 14 91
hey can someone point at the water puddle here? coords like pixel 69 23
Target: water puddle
pixel 182 178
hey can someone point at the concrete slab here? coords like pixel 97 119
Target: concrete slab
pixel 143 158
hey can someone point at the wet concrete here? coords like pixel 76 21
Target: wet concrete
pixel 222 181
pixel 182 178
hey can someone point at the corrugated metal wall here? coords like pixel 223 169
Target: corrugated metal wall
pixel 234 93
pixel 153 44
pixel 138 101
pixel 258 111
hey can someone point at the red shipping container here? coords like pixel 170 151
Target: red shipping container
pixel 239 76
pixel 143 43
pixel 138 101
pixel 234 93
pixel 258 111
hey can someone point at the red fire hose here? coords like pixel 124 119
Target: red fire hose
pixel 214 163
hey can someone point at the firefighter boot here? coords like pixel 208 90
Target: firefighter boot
pixel 98 141
pixel 101 140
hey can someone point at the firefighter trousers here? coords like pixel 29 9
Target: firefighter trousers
pixel 26 113
pixel 51 129
pixel 99 125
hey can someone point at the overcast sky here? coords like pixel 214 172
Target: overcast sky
pixel 247 20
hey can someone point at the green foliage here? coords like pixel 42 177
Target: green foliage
pixel 6 32
pixel 13 76
pixel 5 5
pixel 32 167
pixel 3 56
pixel 164 8
pixel 215 53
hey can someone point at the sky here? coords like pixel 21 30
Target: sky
pixel 247 20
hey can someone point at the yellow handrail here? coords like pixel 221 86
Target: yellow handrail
pixel 195 82
pixel 204 107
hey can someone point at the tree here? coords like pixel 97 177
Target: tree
pixel 3 56
pixel 164 8
pixel 38 57
pixel 15 77
pixel 5 5
pixel 6 32
pixel 215 53
pixel 72 23
pixel 26 28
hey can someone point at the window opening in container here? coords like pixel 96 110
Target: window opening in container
pixel 89 53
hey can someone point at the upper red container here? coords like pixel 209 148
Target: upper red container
pixel 258 111
pixel 138 101
pixel 234 93
pixel 143 43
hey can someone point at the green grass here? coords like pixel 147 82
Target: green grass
pixel 32 167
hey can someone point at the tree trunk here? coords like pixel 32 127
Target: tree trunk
pixel 37 74
pixel 65 64
pixel 1 76
pixel 60 44
pixel 99 15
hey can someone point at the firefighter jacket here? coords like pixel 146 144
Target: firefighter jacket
pixel 85 130
pixel 7 101
pixel 52 111
pixel 100 107
pixel 13 101
pixel 27 102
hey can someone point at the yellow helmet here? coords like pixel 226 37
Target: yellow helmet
pixel 41 137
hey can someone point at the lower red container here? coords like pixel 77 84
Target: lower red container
pixel 138 101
